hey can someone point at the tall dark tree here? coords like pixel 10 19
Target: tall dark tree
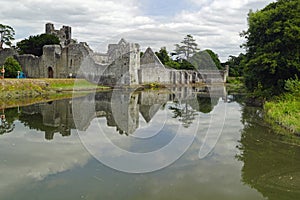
pixel 163 55
pixel 34 44
pixel 6 35
pixel 272 46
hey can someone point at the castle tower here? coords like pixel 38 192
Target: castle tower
pixel 64 34
pixel 134 63
pixel 49 28
pixel 124 59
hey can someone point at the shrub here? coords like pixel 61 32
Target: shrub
pixel 11 67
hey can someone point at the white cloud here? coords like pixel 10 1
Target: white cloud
pixel 27 157
pixel 214 23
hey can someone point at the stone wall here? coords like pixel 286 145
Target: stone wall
pixel 61 62
pixel 150 60
pixel 100 58
pixel 30 65
pixel 4 53
pixel 123 64
pixel 154 75
pixel 152 70
pixel 64 34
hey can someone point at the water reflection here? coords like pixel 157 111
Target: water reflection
pixel 7 120
pixel 271 165
pixel 35 168
pixel 121 109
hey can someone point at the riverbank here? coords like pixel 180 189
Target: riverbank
pixel 284 111
pixel 28 91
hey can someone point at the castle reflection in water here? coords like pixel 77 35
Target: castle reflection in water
pixel 122 109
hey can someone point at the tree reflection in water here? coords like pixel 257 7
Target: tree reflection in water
pixel 122 110
pixel 271 165
pixel 7 119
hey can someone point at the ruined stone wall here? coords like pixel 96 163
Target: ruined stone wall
pixel 50 60
pixel 62 61
pixel 123 64
pixel 150 60
pixel 152 70
pixel 154 75
pixel 117 73
pixel 4 53
pixel 74 55
pixel 30 65
pixel 168 76
pixel 134 63
pixel 64 34
pixel 100 58
pixel 213 76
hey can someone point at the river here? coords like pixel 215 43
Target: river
pixel 176 143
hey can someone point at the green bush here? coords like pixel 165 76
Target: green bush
pixel 11 67
pixel 293 86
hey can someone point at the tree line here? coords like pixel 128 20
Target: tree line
pixel 272 48
pixel 188 56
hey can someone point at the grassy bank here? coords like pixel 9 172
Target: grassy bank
pixel 27 91
pixel 284 111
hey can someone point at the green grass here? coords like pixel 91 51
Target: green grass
pixel 285 111
pixel 41 85
pixel 26 91
pixel 68 84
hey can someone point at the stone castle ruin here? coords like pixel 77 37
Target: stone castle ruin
pixel 120 65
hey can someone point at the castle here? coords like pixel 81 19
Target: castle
pixel 120 65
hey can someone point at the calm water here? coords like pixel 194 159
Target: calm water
pixel 52 150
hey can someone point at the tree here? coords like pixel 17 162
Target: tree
pixel 163 55
pixel 185 51
pixel 184 113
pixel 11 67
pixel 236 65
pixel 272 46
pixel 188 47
pixel 6 35
pixel 34 44
pixel 165 58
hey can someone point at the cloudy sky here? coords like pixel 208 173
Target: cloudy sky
pixel 215 24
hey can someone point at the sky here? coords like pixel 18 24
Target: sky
pixel 215 24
